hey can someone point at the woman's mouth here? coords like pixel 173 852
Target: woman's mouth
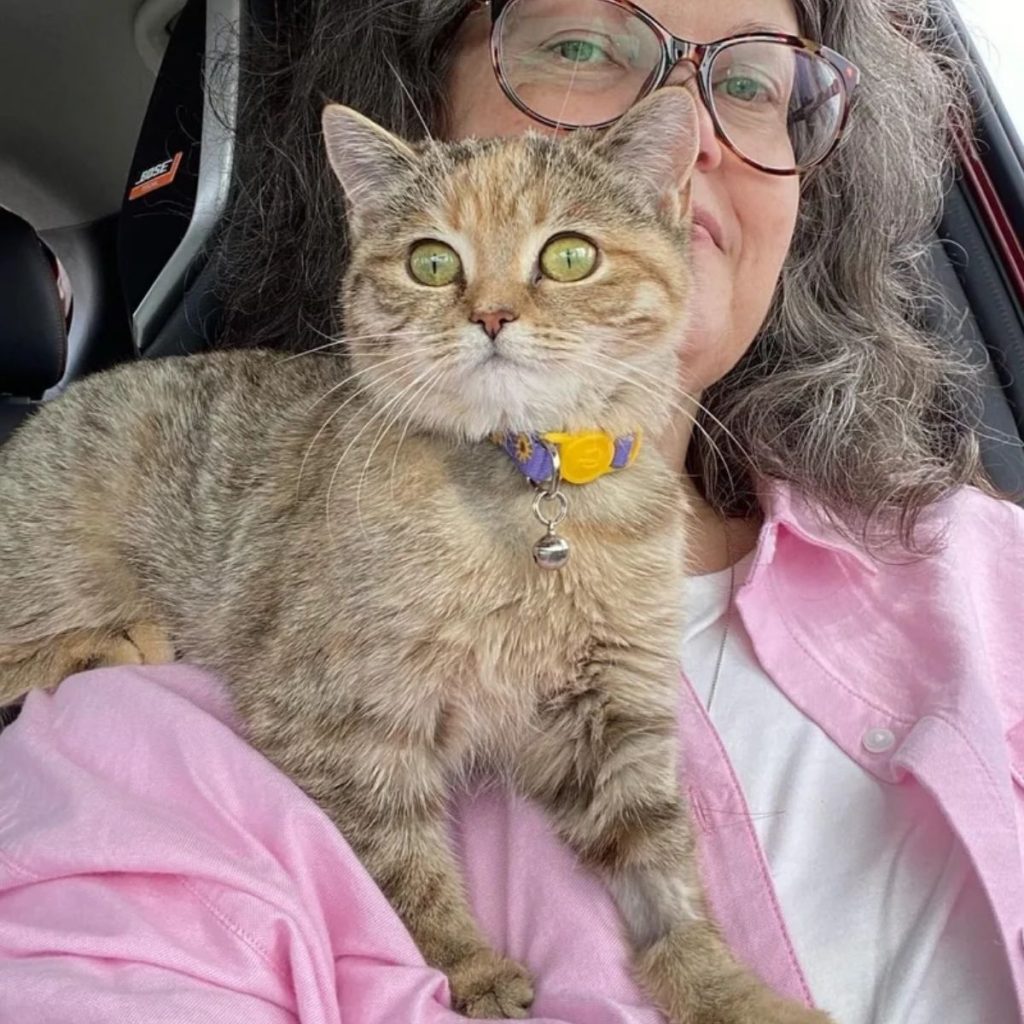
pixel 706 227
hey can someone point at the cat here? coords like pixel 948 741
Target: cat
pixel 346 544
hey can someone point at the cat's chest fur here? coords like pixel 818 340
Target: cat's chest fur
pixel 464 619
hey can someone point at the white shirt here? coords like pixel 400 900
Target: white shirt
pixel 892 926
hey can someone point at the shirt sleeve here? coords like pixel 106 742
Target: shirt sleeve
pixel 155 868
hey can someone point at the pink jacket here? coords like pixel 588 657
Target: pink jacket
pixel 153 868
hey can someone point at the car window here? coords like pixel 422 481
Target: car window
pixel 997 27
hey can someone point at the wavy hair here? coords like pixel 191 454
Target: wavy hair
pixel 847 393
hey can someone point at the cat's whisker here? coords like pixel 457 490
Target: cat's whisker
pixel 347 339
pixel 677 389
pixel 354 374
pixel 383 432
pixel 424 392
pixel 394 371
pixel 359 433
pixel 701 407
pixel 649 389
pixel 655 377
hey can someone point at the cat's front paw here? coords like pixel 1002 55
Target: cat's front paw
pixel 488 985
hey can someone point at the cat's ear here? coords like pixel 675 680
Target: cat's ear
pixel 657 142
pixel 365 157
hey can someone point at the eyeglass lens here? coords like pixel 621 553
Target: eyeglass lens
pixel 585 62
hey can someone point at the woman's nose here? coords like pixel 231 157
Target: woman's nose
pixel 709 155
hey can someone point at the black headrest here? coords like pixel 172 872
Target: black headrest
pixel 33 337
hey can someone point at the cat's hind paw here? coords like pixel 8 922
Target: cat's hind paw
pixel 486 985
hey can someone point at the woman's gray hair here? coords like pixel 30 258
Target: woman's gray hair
pixel 846 393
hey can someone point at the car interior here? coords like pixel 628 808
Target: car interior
pixel 116 167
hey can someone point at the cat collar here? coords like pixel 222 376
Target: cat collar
pixel 546 460
pixel 582 457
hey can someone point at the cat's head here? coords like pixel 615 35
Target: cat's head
pixel 527 284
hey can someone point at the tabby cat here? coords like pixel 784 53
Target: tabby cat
pixel 343 541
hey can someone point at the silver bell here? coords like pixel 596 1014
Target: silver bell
pixel 551 551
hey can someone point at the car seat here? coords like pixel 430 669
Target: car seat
pixel 33 332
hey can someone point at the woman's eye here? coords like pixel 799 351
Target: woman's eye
pixel 434 264
pixel 746 88
pixel 568 258
pixel 579 51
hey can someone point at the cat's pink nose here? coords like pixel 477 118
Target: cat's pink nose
pixel 492 320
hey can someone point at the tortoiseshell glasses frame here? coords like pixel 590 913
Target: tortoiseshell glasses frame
pixel 842 79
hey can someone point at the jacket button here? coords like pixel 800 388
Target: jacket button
pixel 878 741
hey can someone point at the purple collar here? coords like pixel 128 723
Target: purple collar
pixel 583 456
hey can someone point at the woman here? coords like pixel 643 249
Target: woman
pixel 849 727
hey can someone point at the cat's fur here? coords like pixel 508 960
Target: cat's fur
pixel 379 619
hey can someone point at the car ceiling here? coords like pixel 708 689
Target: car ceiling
pixel 75 78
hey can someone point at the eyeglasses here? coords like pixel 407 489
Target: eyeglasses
pixel 779 102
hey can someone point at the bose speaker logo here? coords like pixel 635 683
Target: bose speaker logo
pixel 155 177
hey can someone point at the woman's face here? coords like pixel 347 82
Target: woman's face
pixel 749 215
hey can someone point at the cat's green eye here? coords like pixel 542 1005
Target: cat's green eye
pixel 434 263
pixel 568 258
